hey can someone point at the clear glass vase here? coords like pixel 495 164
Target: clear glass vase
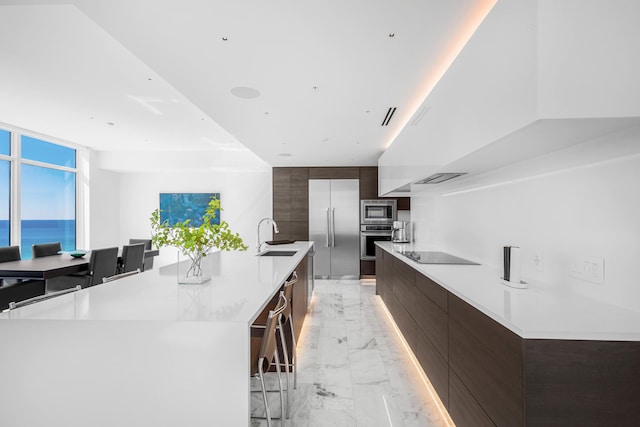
pixel 194 267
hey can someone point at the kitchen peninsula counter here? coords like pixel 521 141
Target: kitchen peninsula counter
pixel 142 350
pixel 496 355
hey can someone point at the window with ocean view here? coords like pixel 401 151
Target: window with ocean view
pixel 42 209
pixel 48 195
pixel 5 177
pixel 5 188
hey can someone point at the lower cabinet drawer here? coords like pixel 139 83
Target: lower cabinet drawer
pixel 493 375
pixel 465 411
pixel 433 322
pixel 434 365
pixel 403 320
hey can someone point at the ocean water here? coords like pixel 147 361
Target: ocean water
pixel 42 231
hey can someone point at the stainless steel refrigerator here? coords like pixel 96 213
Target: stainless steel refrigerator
pixel 334 227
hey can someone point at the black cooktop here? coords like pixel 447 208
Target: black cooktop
pixel 435 257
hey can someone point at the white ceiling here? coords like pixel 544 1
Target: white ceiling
pixel 149 75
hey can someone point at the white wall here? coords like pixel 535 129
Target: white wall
pixel 103 215
pixel 122 202
pixel 588 210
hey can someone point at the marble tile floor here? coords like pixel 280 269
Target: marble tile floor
pixel 352 369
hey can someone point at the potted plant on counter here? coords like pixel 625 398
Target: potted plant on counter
pixel 196 243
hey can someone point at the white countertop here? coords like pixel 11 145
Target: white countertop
pixel 241 285
pixel 143 350
pixel 538 312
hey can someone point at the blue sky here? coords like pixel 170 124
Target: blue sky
pixel 46 193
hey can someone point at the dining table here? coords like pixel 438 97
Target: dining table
pixel 43 268
pixel 50 266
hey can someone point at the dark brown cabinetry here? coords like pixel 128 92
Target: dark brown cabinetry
pixel 291 199
pixel 291 203
pixel 298 302
pixel 487 358
pixel 486 375
pixel 422 320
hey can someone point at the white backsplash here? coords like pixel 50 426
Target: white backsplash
pixel 588 211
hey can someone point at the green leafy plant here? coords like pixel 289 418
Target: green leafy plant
pixel 196 242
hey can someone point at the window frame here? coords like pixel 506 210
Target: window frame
pixel 16 161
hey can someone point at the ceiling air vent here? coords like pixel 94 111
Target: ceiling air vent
pixel 440 177
pixel 387 118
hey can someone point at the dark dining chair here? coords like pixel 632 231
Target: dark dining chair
pixel 132 258
pixel 147 261
pixel 102 263
pixel 12 290
pixel 45 249
pixel 20 291
pixel 147 242
pixel 9 253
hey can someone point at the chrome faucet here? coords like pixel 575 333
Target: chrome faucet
pixel 275 229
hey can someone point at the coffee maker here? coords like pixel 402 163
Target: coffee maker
pixel 401 232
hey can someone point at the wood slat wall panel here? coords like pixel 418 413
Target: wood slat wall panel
pixel 285 231
pixel 299 230
pixel 368 183
pixel 300 195
pixel 281 194
pixel 334 173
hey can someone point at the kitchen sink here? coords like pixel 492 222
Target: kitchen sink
pixel 278 253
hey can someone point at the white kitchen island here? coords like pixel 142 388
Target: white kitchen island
pixel 141 351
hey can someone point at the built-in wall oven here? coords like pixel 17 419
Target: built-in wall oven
pixel 376 221
pixel 377 211
pixel 369 235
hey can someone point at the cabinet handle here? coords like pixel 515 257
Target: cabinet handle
pixel 328 228
pixel 333 227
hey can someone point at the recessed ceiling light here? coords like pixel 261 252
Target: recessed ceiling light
pixel 285 154
pixel 245 92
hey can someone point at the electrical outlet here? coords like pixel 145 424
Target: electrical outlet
pixel 538 261
pixel 589 268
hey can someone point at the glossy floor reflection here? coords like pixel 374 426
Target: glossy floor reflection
pixel 353 370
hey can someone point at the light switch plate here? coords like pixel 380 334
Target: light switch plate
pixel 588 268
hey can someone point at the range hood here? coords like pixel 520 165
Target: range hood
pixel 440 177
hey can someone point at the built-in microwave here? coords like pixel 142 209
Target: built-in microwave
pixel 377 211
